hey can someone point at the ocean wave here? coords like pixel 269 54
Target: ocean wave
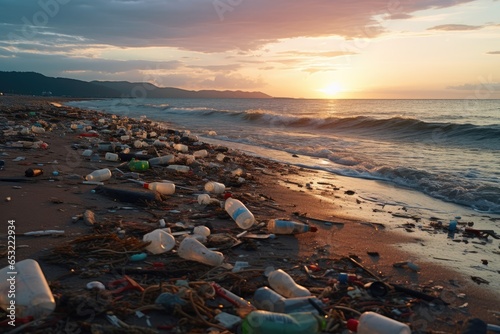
pixel 486 136
pixel 480 196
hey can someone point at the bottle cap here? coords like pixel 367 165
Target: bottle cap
pixel 352 325
pixel 313 228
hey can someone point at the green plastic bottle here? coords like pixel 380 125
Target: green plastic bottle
pixel 138 165
pixel 264 322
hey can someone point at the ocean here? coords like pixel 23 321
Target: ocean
pixel 446 149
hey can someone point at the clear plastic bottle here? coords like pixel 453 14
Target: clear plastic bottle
pixel 201 230
pixel 162 161
pixel 163 188
pixel 192 249
pixel 32 293
pixel 280 226
pixel 215 187
pixel 161 241
pixel 268 300
pixel 264 322
pixel 239 212
pixel 374 323
pixel 99 175
pixel 111 156
pixel 87 153
pixel 179 168
pixel 284 284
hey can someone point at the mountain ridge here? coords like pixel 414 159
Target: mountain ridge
pixel 33 83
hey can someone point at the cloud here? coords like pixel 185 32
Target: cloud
pixel 493 53
pixel 52 64
pixel 217 68
pixel 231 81
pixel 309 54
pixel 200 25
pixel 455 27
pixel 313 70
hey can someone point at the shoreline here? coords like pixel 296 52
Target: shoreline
pixel 285 184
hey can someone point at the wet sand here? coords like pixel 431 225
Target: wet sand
pixel 270 190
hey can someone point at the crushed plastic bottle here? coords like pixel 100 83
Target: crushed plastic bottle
pixel 268 300
pixel 161 241
pixel 32 293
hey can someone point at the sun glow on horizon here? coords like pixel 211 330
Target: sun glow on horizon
pixel 332 90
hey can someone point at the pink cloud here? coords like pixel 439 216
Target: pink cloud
pixel 208 26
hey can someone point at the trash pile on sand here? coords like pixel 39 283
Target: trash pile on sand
pixel 201 258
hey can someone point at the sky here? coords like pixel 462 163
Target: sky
pixel 284 48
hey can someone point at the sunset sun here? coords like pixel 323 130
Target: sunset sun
pixel 331 90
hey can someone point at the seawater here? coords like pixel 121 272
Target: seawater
pixel 447 149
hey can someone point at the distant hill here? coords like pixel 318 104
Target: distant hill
pixel 138 88
pixel 32 83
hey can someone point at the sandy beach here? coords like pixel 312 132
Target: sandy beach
pixel 57 200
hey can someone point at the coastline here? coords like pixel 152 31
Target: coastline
pixel 284 184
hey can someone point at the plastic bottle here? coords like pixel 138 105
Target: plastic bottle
pixel 159 144
pixel 161 161
pixel 179 168
pixel 192 249
pixel 239 212
pixel 138 165
pixel 161 241
pixel 204 199
pixel 87 153
pixel 31 172
pixel 374 323
pixel 99 175
pixel 279 226
pixel 201 230
pixel 111 156
pixel 231 297
pixel 345 278
pixel 215 187
pixel 268 300
pixel 452 226
pixel 37 129
pixel 264 322
pixel 106 147
pixel 163 188
pixel 284 284
pixel 32 293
